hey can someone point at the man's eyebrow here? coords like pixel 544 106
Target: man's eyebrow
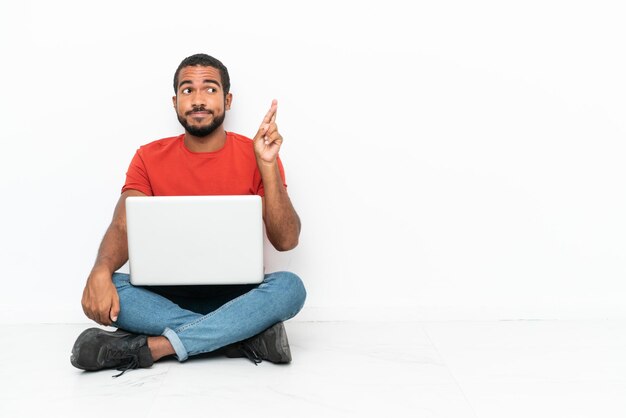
pixel 207 81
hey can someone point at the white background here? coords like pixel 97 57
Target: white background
pixel 448 159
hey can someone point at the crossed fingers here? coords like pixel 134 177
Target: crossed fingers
pixel 268 128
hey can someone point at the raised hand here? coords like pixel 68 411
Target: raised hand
pixel 267 141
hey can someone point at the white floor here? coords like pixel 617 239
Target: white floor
pixel 340 369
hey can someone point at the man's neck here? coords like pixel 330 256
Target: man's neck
pixel 209 143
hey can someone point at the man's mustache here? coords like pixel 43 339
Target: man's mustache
pixel 198 109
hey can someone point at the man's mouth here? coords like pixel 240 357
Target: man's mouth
pixel 199 113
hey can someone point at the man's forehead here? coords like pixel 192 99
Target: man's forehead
pixel 193 73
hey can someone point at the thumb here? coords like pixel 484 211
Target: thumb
pixel 115 308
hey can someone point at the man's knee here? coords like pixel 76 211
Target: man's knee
pixel 292 288
pixel 121 281
pixel 120 277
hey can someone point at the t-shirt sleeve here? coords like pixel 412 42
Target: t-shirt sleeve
pixel 260 189
pixel 137 176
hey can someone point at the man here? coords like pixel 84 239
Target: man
pixel 241 320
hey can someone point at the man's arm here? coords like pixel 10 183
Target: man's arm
pixel 282 223
pixel 100 300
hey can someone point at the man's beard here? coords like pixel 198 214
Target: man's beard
pixel 202 131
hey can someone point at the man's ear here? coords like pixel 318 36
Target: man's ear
pixel 174 101
pixel 228 101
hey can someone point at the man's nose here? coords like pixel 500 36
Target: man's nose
pixel 198 99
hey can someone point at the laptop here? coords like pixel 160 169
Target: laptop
pixel 194 240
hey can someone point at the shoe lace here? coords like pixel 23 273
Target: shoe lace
pixel 128 360
pixel 249 351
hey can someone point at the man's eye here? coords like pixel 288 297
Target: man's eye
pixel 186 91
pixel 211 90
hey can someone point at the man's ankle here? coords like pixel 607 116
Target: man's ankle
pixel 160 347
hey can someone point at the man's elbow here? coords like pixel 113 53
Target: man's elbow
pixel 286 244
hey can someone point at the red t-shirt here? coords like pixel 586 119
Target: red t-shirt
pixel 167 168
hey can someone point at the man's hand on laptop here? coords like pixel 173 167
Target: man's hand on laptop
pixel 100 300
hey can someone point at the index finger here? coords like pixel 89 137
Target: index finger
pixel 270 116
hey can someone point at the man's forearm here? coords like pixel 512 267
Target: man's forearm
pixel 282 223
pixel 113 251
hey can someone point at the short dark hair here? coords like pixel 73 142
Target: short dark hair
pixel 204 60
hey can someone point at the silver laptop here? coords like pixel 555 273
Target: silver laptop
pixel 195 240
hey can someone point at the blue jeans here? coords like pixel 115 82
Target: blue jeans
pixel 214 317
